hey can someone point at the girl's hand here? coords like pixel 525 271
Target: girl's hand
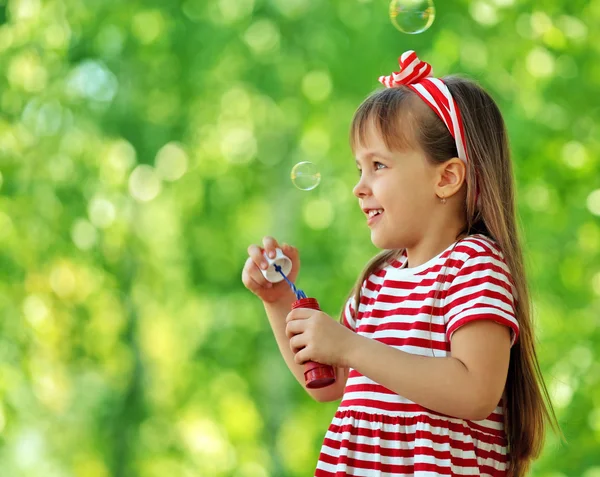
pixel 315 336
pixel 255 281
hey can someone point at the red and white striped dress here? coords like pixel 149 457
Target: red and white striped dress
pixel 376 432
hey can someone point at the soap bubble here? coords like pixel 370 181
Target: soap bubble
pixel 306 176
pixel 412 16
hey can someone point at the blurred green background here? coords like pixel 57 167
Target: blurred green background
pixel 145 145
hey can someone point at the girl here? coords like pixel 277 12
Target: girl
pixel 434 353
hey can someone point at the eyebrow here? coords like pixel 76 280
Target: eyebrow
pixel 371 154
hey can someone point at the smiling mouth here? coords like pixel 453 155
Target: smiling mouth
pixel 374 215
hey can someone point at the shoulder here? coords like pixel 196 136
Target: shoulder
pixel 479 259
pixel 479 249
pixel 479 245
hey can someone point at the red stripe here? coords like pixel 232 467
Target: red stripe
pixel 420 71
pixel 361 464
pixel 428 282
pixel 461 128
pixel 495 417
pixel 370 388
pixel 438 95
pixel 496 318
pixel 347 323
pixel 487 246
pixel 383 405
pixel 403 326
pixel 440 100
pixel 481 281
pixel 407 453
pixel 412 56
pixel 400 406
pixel 401 311
pixel 391 285
pixel 420 450
pixel 464 271
pixel 412 341
pixel 479 432
pixel 478 304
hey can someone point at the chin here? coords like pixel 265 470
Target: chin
pixel 385 243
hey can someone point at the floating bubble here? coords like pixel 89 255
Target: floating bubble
pixel 306 176
pixel 412 16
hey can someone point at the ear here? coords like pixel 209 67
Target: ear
pixel 450 176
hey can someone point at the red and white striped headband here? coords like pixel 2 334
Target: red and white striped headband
pixel 415 74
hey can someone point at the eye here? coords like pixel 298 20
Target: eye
pixel 376 164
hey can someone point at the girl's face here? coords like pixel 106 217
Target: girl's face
pixel 400 186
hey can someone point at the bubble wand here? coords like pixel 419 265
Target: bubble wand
pixel 316 375
pixel 299 293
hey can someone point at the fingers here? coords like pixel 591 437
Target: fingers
pixel 293 328
pixel 252 278
pixel 291 252
pixel 255 253
pixel 302 356
pixel 270 245
pixel 297 343
pixel 299 314
pixel 252 275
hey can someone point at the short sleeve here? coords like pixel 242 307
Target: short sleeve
pixel 349 314
pixel 481 290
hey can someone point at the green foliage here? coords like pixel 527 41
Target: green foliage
pixel 145 145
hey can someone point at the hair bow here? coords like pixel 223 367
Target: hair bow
pixel 412 70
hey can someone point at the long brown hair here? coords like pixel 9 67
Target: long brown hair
pixel 404 120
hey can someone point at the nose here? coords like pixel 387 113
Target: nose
pixel 362 189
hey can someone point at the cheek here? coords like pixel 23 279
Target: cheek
pixel 409 201
pixel 403 191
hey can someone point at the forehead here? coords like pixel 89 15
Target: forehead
pixel 371 144
pixel 385 134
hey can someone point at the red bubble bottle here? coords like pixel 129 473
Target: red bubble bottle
pixel 316 375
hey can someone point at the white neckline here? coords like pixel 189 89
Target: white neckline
pixel 406 272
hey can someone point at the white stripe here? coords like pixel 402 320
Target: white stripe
pixel 368 457
pixel 463 290
pixel 452 112
pixel 406 334
pixel 410 429
pixel 406 71
pixel 482 310
pixel 375 396
pixel 430 100
pixel 390 398
pixel 357 472
pixel 466 436
pixel 348 314
pixel 453 115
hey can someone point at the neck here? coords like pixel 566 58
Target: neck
pixel 433 242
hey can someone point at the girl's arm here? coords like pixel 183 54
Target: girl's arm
pixel 467 385
pixel 277 313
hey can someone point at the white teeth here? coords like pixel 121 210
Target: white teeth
pixel 374 212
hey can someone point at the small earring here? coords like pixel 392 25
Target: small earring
pixel 443 200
